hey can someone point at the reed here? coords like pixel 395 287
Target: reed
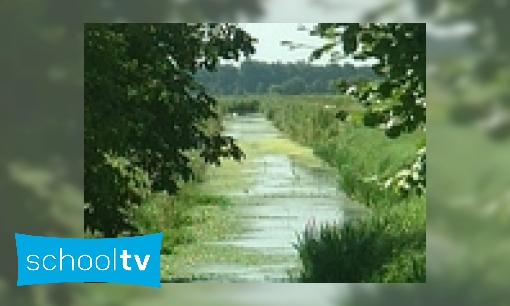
pixel 388 244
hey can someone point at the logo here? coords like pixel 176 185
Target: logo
pixel 126 260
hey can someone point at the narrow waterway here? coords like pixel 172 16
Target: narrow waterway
pixel 275 192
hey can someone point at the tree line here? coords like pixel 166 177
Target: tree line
pixel 258 77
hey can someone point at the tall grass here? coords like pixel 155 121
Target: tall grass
pixel 172 215
pixel 388 244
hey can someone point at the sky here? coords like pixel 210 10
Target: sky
pixel 269 47
pixel 270 35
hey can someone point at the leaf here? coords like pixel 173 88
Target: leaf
pixel 350 38
pixel 316 54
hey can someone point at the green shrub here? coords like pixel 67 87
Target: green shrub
pixel 387 246
pixel 240 105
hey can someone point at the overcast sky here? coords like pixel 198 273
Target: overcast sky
pixel 270 35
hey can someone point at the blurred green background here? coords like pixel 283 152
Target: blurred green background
pixel 41 151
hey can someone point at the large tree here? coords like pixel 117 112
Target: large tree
pixel 144 110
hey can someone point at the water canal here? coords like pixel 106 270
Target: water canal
pixel 274 192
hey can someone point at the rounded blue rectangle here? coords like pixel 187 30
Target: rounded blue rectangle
pixel 126 260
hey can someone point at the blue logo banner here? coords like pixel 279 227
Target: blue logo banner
pixel 126 260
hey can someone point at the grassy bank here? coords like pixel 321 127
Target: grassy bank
pixel 186 217
pixel 388 245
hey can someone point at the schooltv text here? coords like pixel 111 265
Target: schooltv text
pixel 126 260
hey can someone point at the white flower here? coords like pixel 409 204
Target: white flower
pixel 403 184
pixel 351 89
pixel 390 123
pixel 388 183
pixel 404 172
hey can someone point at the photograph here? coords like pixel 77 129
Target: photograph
pixel 263 152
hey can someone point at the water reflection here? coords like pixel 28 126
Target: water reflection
pixel 282 194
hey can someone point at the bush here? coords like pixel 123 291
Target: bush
pixel 387 246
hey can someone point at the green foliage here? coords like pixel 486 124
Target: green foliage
pixel 396 101
pixel 238 104
pixel 389 244
pixel 382 248
pixel 255 77
pixel 293 86
pixel 161 213
pixel 172 215
pixel 144 111
pixel 306 118
pixel 399 97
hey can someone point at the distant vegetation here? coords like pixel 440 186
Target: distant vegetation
pixel 255 77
